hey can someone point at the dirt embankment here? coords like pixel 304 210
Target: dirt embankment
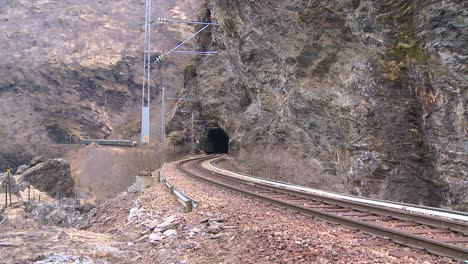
pixel 100 172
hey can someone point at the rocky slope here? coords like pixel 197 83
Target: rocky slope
pixel 374 90
pixel 72 69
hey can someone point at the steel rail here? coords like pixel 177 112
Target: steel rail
pixel 215 162
pixel 398 236
pixel 395 213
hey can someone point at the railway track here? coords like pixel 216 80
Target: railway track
pixel 437 235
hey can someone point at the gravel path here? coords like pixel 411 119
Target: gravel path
pixel 226 227
pixel 256 232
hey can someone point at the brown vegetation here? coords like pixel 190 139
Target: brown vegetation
pixel 279 164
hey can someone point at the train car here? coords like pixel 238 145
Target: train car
pixel 111 142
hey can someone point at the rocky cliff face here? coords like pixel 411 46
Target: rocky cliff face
pixel 72 69
pixel 375 90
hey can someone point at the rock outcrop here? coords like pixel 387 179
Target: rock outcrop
pixel 72 70
pixel 375 90
pixel 52 176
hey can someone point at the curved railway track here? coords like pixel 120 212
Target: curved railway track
pixel 440 236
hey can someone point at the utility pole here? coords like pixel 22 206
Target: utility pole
pixel 6 191
pixel 145 91
pixel 193 132
pixel 9 183
pixel 163 115
pixel 144 177
pixel 163 56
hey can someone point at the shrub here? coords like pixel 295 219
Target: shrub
pixel 280 164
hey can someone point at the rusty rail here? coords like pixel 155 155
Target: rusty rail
pixel 398 236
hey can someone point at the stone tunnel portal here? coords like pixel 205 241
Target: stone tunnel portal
pixel 217 141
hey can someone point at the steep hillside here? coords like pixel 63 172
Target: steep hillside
pixel 72 69
pixel 376 91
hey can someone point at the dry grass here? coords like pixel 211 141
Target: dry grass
pixel 276 163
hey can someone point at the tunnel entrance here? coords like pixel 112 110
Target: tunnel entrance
pixel 217 141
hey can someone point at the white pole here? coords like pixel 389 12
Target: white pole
pixel 163 115
pixel 193 133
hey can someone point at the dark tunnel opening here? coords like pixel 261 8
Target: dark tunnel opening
pixel 217 141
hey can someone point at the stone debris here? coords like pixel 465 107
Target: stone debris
pixel 162 230
pixel 155 238
pixel 135 213
pixel 150 223
pixel 216 236
pixel 225 228
pixel 217 219
pixel 192 232
pixel 213 224
pixel 169 232
pixel 168 223
pixel 146 232
pixel 62 213
pixel 59 259
pixel 214 227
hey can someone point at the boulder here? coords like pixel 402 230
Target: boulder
pixel 36 160
pixel 21 169
pixel 52 176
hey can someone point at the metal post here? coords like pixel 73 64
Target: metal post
pixel 6 196
pixel 145 92
pixel 188 206
pixel 163 115
pixel 9 187
pixel 193 132
pixel 149 159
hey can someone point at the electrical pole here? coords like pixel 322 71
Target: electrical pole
pixel 193 132
pixel 6 190
pixel 163 115
pixel 162 57
pixel 9 184
pixel 145 91
pixel 144 177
